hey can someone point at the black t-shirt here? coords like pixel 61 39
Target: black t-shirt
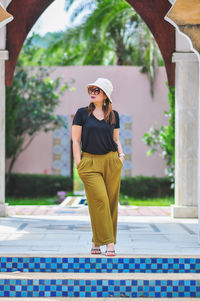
pixel 97 135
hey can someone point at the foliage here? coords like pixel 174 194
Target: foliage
pixel 164 138
pixel 30 106
pixel 113 33
pixel 13 201
pixel 110 33
pixel 37 185
pixel 34 185
pixel 150 55
pixel 34 50
pixel 145 187
pixel 123 199
pixel 131 201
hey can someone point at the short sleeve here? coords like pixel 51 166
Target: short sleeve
pixel 117 121
pixel 78 118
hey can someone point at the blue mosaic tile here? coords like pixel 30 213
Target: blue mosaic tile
pixel 100 265
pixel 100 288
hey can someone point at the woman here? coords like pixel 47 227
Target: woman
pixel 99 158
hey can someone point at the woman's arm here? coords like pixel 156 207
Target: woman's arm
pixel 76 140
pixel 116 139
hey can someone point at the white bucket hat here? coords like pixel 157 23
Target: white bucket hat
pixel 105 84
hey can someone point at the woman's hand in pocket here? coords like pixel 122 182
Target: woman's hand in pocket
pixel 122 159
pixel 77 163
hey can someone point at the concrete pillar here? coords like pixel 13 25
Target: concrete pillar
pixel 186 135
pixel 187 165
pixel 3 57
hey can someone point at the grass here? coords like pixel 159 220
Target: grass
pixel 124 200
pixel 40 201
pixel 30 201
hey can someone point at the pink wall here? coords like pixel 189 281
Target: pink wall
pixel 131 96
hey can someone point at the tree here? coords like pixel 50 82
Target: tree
pixel 110 33
pixel 150 54
pixel 164 138
pixel 115 23
pixel 30 105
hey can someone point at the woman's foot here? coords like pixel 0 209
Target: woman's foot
pixel 95 250
pixel 110 249
pixel 110 253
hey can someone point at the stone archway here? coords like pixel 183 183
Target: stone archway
pixel 26 14
pixel 153 13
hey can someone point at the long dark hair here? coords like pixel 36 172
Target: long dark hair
pixel 109 115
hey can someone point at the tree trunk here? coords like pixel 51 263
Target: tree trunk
pixel 13 160
pixel 15 157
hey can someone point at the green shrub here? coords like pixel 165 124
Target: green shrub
pixel 37 185
pixel 164 138
pixel 146 187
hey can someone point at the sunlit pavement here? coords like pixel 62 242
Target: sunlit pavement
pixel 70 233
pixel 83 210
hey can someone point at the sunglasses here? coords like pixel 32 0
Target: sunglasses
pixel 96 91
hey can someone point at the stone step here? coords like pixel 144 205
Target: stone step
pixel 100 264
pixel 147 285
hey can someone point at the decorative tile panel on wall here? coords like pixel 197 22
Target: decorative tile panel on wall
pixel 125 137
pixel 61 148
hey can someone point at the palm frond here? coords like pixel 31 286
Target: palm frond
pixel 80 6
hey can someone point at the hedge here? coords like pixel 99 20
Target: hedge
pixel 39 185
pixel 146 187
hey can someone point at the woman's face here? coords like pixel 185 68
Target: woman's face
pixel 97 98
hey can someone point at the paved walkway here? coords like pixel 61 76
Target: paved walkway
pixel 83 211
pixel 56 230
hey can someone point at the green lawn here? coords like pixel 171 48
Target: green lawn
pixel 33 201
pixel 30 201
pixel 124 200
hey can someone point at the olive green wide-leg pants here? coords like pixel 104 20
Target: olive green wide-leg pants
pixel 101 176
